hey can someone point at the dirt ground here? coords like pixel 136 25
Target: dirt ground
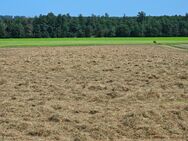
pixel 108 93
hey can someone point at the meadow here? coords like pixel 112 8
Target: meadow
pixel 54 42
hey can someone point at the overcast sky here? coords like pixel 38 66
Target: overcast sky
pixel 97 7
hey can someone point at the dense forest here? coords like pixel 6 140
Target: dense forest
pixel 54 26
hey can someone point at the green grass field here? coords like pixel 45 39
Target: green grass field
pixel 52 42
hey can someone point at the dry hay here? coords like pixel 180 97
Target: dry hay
pixel 118 93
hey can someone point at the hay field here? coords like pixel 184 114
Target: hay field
pixel 108 93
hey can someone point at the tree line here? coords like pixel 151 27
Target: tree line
pixel 52 26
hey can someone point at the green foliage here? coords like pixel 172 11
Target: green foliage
pixel 52 26
pixel 2 30
pixel 123 30
pixel 141 17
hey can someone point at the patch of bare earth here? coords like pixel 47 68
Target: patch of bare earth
pixel 109 93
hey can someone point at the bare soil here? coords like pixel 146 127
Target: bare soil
pixel 108 93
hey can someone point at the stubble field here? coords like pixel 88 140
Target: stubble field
pixel 109 93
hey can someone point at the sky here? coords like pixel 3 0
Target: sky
pixel 98 7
